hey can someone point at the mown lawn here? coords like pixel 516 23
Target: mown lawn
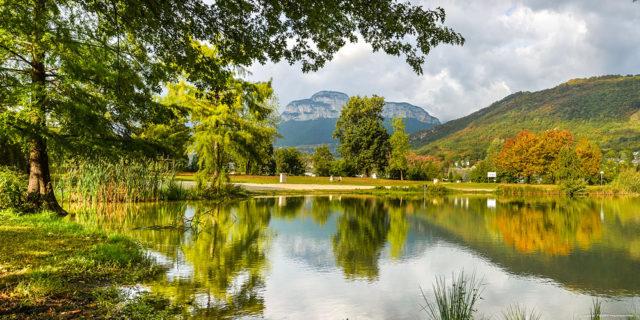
pixel 311 180
pixel 51 268
pixel 459 187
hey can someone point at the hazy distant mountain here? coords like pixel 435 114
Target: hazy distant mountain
pixel 323 104
pixel 311 122
pixel 605 109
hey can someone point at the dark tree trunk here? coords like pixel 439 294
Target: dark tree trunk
pixel 40 190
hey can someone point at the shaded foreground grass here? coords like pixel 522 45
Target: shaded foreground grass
pixel 51 268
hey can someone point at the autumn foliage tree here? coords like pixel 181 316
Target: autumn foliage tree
pixel 590 157
pixel 422 167
pixel 530 154
pixel 550 143
pixel 521 157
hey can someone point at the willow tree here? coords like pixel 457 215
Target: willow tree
pixel 81 75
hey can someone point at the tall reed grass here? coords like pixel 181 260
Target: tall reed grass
pixel 528 190
pixel 122 181
pixel 455 302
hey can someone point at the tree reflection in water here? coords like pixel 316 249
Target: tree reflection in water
pixel 360 236
pixel 553 228
pixel 221 269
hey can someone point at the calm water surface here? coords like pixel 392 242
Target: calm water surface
pixel 356 257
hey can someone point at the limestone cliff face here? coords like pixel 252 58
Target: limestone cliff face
pixel 408 111
pixel 327 105
pixel 324 104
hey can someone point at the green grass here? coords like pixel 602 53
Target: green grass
pixel 310 180
pixel 412 186
pixel 53 268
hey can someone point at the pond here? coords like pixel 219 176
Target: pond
pixel 364 257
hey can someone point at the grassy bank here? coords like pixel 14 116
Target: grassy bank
pixel 53 268
pixel 310 180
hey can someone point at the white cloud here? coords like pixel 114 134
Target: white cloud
pixel 511 46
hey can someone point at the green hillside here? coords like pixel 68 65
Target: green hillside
pixel 605 109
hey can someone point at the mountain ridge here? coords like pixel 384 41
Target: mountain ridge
pixel 327 104
pixel 605 108
pixel 311 122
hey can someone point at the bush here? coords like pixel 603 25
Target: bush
pixel 572 187
pixel 12 188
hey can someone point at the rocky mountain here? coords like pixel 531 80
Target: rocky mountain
pixel 605 109
pixel 311 122
pixel 327 104
pixel 408 111
pixel 323 104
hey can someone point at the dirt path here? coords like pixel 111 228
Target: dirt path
pixel 288 186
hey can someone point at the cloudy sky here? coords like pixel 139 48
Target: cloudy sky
pixel 510 46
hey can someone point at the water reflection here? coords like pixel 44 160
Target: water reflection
pixel 249 258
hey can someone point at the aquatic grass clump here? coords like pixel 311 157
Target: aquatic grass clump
pixel 515 312
pixel 454 302
pixel 596 310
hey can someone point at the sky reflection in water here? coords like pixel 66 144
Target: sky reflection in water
pixel 366 257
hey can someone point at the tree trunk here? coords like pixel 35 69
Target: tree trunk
pixel 40 190
pixel 216 164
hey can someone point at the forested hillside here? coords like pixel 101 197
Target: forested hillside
pixel 605 109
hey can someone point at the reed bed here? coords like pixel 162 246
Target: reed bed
pixel 127 181
pixel 529 190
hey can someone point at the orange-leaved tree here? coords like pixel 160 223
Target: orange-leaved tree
pixel 550 144
pixel 590 157
pixel 530 154
pixel 518 157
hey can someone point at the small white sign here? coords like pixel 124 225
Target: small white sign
pixel 491 203
pixel 492 174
